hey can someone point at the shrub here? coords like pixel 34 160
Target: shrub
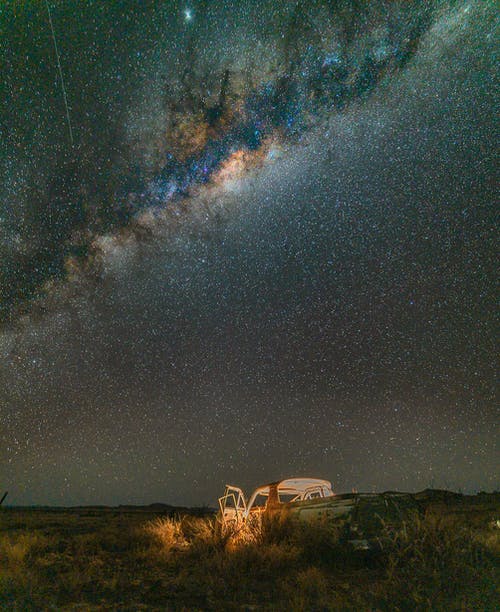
pixel 167 532
pixel 436 563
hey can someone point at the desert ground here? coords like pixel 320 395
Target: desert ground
pixel 443 557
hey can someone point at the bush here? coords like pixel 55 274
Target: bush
pixel 436 563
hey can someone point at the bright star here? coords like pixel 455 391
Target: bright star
pixel 188 15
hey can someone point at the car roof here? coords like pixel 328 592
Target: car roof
pixel 293 485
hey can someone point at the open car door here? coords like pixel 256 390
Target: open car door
pixel 233 506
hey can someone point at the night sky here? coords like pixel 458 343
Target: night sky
pixel 259 243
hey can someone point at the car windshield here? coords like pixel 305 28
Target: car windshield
pixel 260 501
pixel 288 497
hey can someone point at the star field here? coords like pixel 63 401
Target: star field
pixel 270 251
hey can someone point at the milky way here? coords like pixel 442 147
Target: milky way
pixel 313 78
pixel 325 58
pixel 269 253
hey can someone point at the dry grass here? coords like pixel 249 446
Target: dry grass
pixel 133 561
pixel 438 563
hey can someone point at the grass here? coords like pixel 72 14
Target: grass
pixel 445 559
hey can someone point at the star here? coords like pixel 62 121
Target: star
pixel 188 15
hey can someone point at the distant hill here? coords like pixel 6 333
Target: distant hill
pixel 155 508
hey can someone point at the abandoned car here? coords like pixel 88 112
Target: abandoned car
pixel 300 494
pixel 363 515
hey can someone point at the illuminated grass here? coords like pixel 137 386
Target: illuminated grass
pixel 116 560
